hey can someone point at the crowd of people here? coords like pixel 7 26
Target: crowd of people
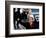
pixel 25 20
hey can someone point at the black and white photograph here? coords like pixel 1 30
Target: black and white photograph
pixel 24 19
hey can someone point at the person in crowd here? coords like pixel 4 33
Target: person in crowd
pixel 31 24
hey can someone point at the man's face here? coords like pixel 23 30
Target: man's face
pixel 30 20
